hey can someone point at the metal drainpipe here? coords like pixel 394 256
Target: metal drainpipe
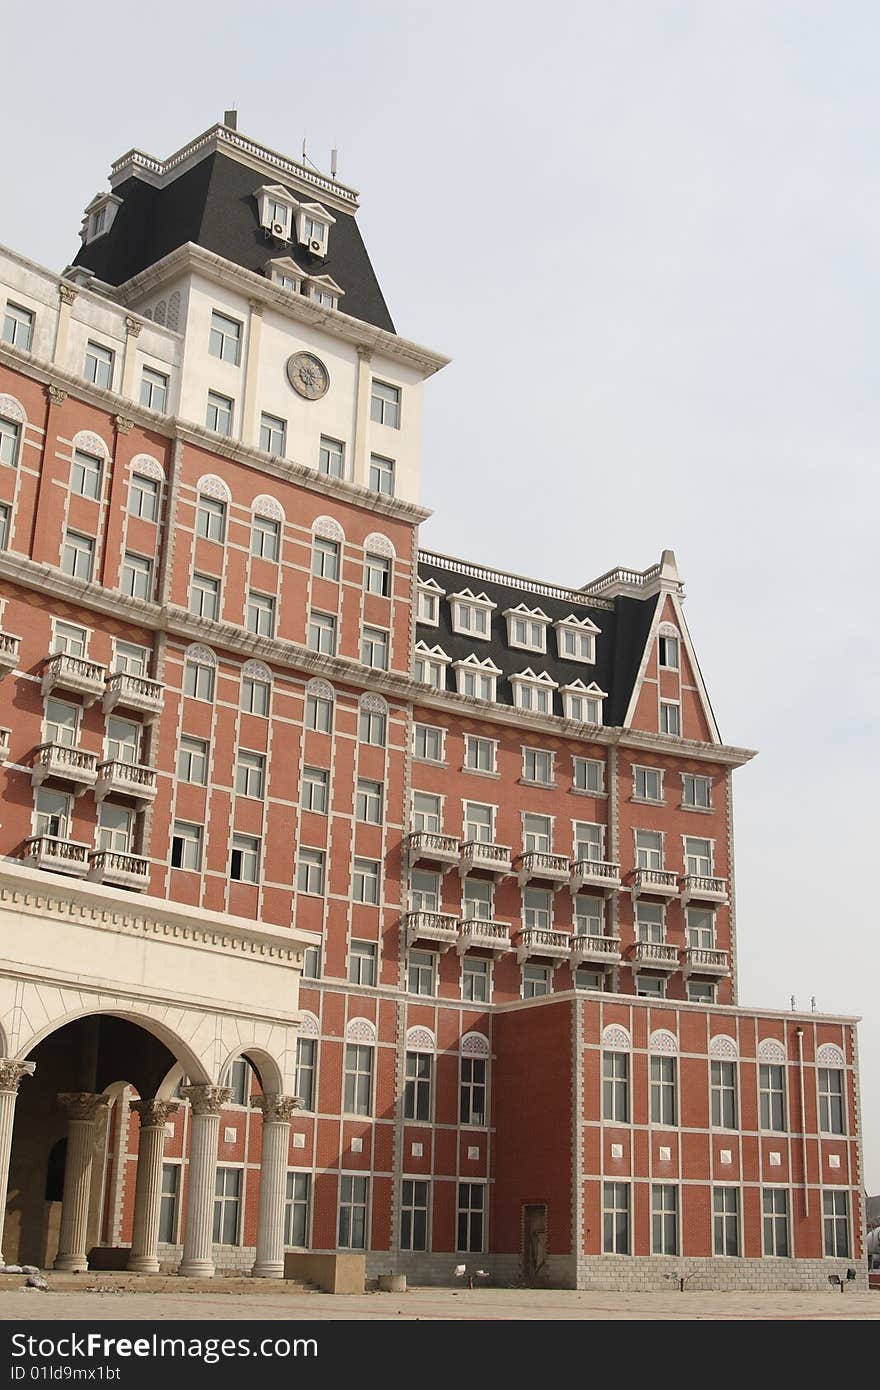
pixel 799 1034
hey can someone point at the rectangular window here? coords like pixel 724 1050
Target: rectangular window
pixel 331 458
pixel 325 559
pixel 700 923
pixel 365 881
pixel 472 1091
pixel 477 900
pixel 137 576
pixel 51 814
pixel 615 1218
pixel 85 475
pixel 186 846
pixel 306 1068
pixel 725 1220
pixel 4 525
pixel 123 740
pixel 115 826
pixel 374 648
pixel 353 1197
pixel 615 1087
pixel 771 1093
pixel 430 671
pixel 723 1083
pixel 315 785
pixel 225 338
pixel 471 1205
pixel 537 766
pixel 588 775
pixel 78 555
pixel 198 680
pixel 381 475
pixel 536 981
pixel 589 979
pixel 774 1206
pixel 650 924
pixel 238 1079
pixel 426 813
pixel 664 1219
pixel 204 596
pixel 362 963
pixel 537 909
pixel 321 636
pixel 696 792
pixel 372 727
pixel 98 367
pixel 273 434
pixel 211 519
pixel 385 404
pixel 168 1202
pixel 589 841
pixel 831 1107
pixel 479 822
pixel 648 783
pixel 143 497
pixel 297 1204
pixel 10 432
pixel 424 891
pixel 130 658
pixel 428 743
pixel 701 992
pixel 475 980
pixel 218 415
pixel 649 849
pixel 244 863
pixel 255 696
pixel 589 915
pixel 192 761
pixel 537 834
pixel 668 649
pixel 421 970
pixel 312 963
pixel 227 1206
pixel 358 1079
pixel 377 575
pixel 664 1105
pixel 479 753
pixel 310 871
pixel 670 718
pixel 250 774
pixel 154 389
pixel 260 614
pixel 650 987
pixel 835 1220
pixel 698 857
pixel 266 538
pixel 417 1088
pixel 18 326
pixel 369 801
pixel 61 724
pixel 413 1214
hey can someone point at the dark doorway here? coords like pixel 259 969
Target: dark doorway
pixel 535 1270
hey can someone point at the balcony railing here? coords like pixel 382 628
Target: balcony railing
pixel 698 960
pixel 492 859
pixel 74 673
pixel 134 692
pixel 535 941
pixel 9 652
pixel 702 888
pixel 548 868
pixel 602 950
pixel 125 779
pixel 477 933
pixel 64 856
pixel 427 846
pixel 439 927
pixel 654 955
pixel 65 765
pixel 597 873
pixel 661 883
pixel 125 870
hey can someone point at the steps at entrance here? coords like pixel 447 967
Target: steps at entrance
pixel 117 1281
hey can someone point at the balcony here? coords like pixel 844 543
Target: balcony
pixel 62 856
pixel 124 870
pixel 9 650
pixel 594 873
pixel 440 928
pixel 659 883
pixel 535 941
pixel 65 764
pixel 543 868
pixel 475 933
pixel 654 955
pixel 487 858
pixel 63 672
pixel 702 889
pixel 700 961
pixel 595 950
pixel 428 847
pixel 125 779
pixel 135 693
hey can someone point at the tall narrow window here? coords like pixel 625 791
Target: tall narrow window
pixel 724 1095
pixel 204 596
pixel 306 1064
pixel 266 538
pixel 353 1199
pixel 664 1219
pixel 85 474
pixel 98 368
pixel 615 1218
pixel 260 614
pixel 417 1090
pixel 78 555
pixel 211 519
pixel 318 713
pixel 835 1219
pixel 10 433
pixel 310 871
pixel 218 416
pixel 325 558
pixel 143 497
pixel 663 1090
pixel 771 1092
pixel 227 1206
pixel 250 774
pixel 244 864
pixel 255 695
pixel 154 389
pixel 381 475
pixel 321 636
pixel 225 338
pixel 377 575
pixel 615 1087
pixel 774 1204
pixel 471 1211
pixel 725 1220
pixel 358 1081
pixel 273 434
pixel 331 458
pixel 297 1202
pixel 372 727
pixel 137 576
pixel 368 801
pixel 198 680
pixel 831 1106
pixel 186 846
pixel 374 648
pixel 414 1214
pixel 472 1091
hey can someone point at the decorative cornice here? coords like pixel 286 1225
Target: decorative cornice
pixel 256 307
pixel 207 1100
pixel 277 1109
pixel 82 1105
pixel 154 1113
pixel 11 1072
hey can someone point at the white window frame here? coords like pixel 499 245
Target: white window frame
pixel 533 691
pixel 588 763
pixel 472 615
pixel 534 621
pixel 477 680
pixel 699 780
pixel 477 743
pixel 418 730
pixel 428 596
pixel 534 755
pixel 643 774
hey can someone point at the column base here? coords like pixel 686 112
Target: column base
pixel 143 1264
pixel 268 1271
pixel 72 1264
pixel 196 1269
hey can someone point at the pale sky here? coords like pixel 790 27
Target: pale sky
pixel 647 233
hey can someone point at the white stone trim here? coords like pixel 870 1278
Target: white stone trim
pixel 378 544
pixel 264 505
pixel 420 1040
pixel 328 528
pixel 617 1037
pixel 209 485
pixel 91 443
pixel 474 1045
pixel 723 1046
pixel 147 467
pixel 12 409
pixel 661 1040
pixel 771 1050
pixel 360 1030
pixel 830 1055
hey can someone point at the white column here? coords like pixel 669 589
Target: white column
pixel 81 1107
pixel 66 298
pixel 129 361
pixel 11 1073
pixel 360 472
pixel 144 1257
pixel 250 430
pixel 207 1102
pixel 277 1111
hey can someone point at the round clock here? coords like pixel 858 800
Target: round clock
pixel 308 376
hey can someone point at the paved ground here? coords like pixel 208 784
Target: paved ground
pixel 437 1304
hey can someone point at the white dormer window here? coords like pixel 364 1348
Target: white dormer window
pixel 583 702
pixel 533 692
pixel 324 290
pixel 478 679
pixel 285 272
pixel 527 628
pixel 99 216
pixel 430 665
pixel 428 602
pixel 276 210
pixel 313 225
pixel 576 639
pixel 472 614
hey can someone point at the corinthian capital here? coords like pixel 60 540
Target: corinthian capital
pixel 66 293
pixel 154 1113
pixel 56 395
pixel 276 1108
pixel 82 1105
pixel 133 326
pixel 11 1073
pixel 207 1100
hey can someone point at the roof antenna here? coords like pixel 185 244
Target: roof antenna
pixel 230 118
pixel 334 155
pixel 793 1004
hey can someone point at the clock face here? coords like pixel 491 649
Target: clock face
pixel 308 376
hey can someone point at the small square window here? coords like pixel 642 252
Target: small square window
pixel 98 367
pixel 385 404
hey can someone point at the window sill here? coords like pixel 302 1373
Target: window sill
pixel 527 782
pixel 700 810
pixel 582 791
pixel 479 772
pixel 648 800
pixel 429 762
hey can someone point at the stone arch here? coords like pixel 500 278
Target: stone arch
pixel 196 1064
pixel 264 1064
pixel 256 670
pixel 661 1040
pixel 724 1047
pixel 378 544
pixel 148 467
pixel 830 1055
pixel 771 1050
pixel 11 408
pixel 322 690
pixel 329 528
pixel 360 1030
pixel 202 656
pixel 376 704
pixel 264 505
pixel 617 1037
pixel 474 1045
pixel 210 485
pixel 91 443
pixel 667 629
pixel 309 1027
pixel 420 1040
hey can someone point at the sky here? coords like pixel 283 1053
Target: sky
pixel 647 233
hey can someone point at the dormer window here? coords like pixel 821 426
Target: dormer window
pixel 284 272
pixel 428 602
pixel 313 225
pixel 478 679
pixel 583 702
pixel 430 665
pixel 472 614
pixel 527 628
pixel 324 290
pixel 576 639
pixel 276 210
pixel 533 692
pixel 99 216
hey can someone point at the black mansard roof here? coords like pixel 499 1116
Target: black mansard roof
pixel 623 621
pixel 212 204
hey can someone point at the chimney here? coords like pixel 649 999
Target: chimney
pixel 230 119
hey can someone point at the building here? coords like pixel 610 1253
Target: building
pixel 352 896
